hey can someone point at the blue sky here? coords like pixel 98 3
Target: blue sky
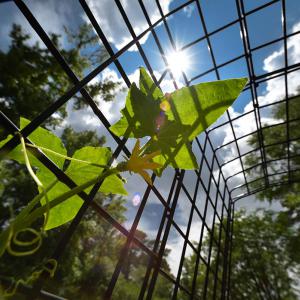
pixel 185 26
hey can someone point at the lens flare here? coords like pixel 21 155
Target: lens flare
pixel 136 200
pixel 160 120
pixel 165 105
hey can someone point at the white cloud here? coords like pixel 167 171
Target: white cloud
pixel 188 10
pixel 175 243
pixel 274 91
pixel 111 109
pixel 113 25
pixel 52 16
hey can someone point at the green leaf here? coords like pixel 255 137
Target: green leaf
pixel 42 137
pixel 139 115
pixel 192 110
pixel 176 150
pixel 201 105
pixel 148 87
pixel 187 112
pixel 79 172
pixel 82 172
pixel 47 139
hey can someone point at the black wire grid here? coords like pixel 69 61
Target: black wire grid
pixel 216 192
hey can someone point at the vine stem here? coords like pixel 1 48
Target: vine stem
pixel 36 179
pixel 60 199
pixel 28 215
pixel 27 163
pixel 66 157
pixel 11 291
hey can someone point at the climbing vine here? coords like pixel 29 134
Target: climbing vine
pixel 170 121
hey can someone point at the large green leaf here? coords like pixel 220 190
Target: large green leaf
pixel 47 139
pixel 42 137
pixel 139 115
pixel 79 172
pixel 201 105
pixel 176 150
pixel 187 112
pixel 148 87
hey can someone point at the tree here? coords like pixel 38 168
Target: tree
pixel 261 265
pixel 288 195
pixel 75 140
pixel 31 79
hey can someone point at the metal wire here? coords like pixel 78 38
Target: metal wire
pixel 215 189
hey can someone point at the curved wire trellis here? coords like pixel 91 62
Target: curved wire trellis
pixel 213 184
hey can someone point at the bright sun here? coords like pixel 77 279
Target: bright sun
pixel 178 62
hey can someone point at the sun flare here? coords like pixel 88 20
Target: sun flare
pixel 178 62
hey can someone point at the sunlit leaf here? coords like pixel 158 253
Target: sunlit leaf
pixel 138 115
pixel 39 136
pixel 148 87
pixel 174 120
pixel 201 105
pixel 79 172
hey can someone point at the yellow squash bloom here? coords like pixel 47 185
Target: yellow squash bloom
pixel 139 162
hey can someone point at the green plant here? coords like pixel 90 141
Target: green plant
pixel 171 121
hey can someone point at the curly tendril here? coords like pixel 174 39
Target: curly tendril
pixel 11 291
pixel 37 240
pixel 21 224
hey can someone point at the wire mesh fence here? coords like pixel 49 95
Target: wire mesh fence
pixel 218 183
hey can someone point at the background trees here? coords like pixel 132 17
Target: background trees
pixel 31 79
pixel 289 194
pixel 263 264
pixel 276 134
pixel 265 256
pixel 275 272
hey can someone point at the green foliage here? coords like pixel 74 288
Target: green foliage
pixel 18 189
pixel 75 140
pixel 289 194
pixel 201 105
pixel 262 266
pixel 171 121
pixel 31 79
pixel 170 135
pixel 174 120
pixel 66 211
pixel 89 259
pixel 277 268
pixel 277 134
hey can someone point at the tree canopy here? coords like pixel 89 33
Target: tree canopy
pixel 31 79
